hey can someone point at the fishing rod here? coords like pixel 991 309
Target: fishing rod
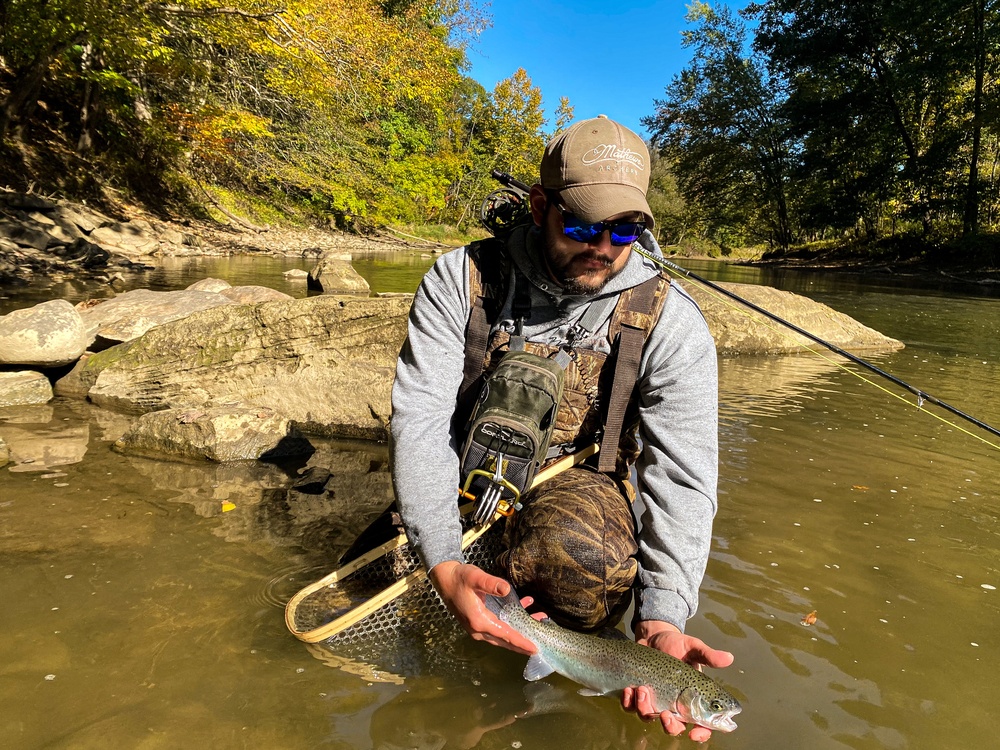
pixel 513 205
pixel 921 395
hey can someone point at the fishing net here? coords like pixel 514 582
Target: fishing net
pixel 386 613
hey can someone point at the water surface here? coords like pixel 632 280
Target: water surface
pixel 140 611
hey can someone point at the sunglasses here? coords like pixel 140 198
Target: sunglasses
pixel 622 232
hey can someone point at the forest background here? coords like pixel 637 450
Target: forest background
pixel 796 125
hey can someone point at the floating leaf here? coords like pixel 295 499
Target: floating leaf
pixel 859 488
pixel 809 619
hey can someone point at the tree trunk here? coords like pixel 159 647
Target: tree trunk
pixel 970 219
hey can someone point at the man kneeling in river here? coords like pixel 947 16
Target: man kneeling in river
pixel 640 364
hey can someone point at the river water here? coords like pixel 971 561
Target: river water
pixel 142 600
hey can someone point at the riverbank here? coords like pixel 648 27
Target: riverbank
pixel 54 237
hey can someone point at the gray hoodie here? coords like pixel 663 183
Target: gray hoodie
pixel 677 472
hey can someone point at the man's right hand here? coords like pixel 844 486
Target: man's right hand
pixel 464 589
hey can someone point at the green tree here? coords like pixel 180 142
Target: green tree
pixel 722 129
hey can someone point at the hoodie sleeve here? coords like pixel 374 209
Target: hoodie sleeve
pixel 425 462
pixel 678 470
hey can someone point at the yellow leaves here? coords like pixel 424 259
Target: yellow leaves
pixel 216 134
pixel 809 619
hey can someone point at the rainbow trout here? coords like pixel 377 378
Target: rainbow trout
pixel 606 666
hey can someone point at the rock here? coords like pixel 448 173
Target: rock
pixel 131 238
pixel 737 330
pixel 50 334
pixel 171 236
pixel 217 434
pixel 295 273
pixel 26 201
pixel 210 285
pixel 24 235
pixel 4 453
pixel 131 314
pixel 323 362
pixel 20 388
pixel 334 274
pixel 85 221
pixel 87 252
pixel 75 383
pixel 252 295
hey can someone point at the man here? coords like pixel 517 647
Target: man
pixel 573 547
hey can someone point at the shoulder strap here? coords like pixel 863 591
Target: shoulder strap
pixel 634 323
pixel 487 287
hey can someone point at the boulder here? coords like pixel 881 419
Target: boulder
pixel 25 235
pixel 4 453
pixel 19 388
pixel 325 363
pixel 295 273
pixel 50 334
pixel 210 285
pixel 131 314
pixel 251 295
pixel 131 238
pixel 334 274
pixel 737 330
pixel 217 434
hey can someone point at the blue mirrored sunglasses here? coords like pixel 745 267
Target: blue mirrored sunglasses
pixel 622 232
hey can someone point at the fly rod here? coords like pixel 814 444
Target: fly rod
pixel 920 394
pixel 516 185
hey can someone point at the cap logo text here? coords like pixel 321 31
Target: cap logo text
pixel 611 152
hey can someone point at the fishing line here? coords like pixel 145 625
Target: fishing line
pixel 922 396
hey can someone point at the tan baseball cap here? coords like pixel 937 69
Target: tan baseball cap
pixel 599 168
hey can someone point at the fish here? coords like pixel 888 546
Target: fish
pixel 606 666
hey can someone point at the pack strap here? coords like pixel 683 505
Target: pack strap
pixel 630 343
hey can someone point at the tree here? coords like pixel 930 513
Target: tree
pixel 721 127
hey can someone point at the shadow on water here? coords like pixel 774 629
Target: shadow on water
pixel 143 599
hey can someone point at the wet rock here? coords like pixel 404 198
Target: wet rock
pixel 252 295
pixel 739 331
pixel 334 274
pixel 131 314
pixel 295 273
pixel 210 285
pixel 89 254
pixel 50 334
pixel 4 453
pixel 77 381
pixel 24 387
pixel 216 434
pixel 323 362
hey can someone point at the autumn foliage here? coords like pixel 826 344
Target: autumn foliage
pixel 356 111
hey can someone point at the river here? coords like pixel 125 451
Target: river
pixel 142 599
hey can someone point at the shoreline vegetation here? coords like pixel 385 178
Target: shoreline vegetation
pixel 833 135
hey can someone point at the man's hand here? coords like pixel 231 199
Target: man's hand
pixel 665 637
pixel 464 588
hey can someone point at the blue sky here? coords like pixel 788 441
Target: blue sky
pixel 613 58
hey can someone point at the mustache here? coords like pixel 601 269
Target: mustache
pixel 596 257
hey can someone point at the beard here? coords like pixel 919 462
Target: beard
pixel 566 269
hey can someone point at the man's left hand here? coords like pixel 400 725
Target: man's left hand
pixel 667 638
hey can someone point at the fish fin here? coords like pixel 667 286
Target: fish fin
pixel 590 693
pixel 612 634
pixel 537 668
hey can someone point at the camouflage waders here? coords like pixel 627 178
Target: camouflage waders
pixel 573 548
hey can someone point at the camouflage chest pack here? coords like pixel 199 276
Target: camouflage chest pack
pixel 509 408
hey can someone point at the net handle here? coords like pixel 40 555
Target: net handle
pixel 406 583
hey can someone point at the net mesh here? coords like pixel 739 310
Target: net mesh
pixel 412 633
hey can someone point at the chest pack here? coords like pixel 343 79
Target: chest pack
pixel 509 431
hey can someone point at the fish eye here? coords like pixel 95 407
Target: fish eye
pixel 717 705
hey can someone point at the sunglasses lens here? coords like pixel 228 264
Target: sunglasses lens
pixel 626 234
pixel 578 231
